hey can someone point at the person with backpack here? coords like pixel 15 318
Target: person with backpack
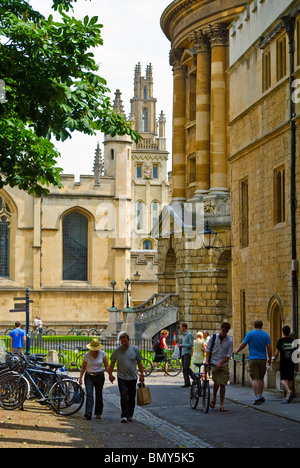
pixel 218 354
pixel 285 349
pixel 160 348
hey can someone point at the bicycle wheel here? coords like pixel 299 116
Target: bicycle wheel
pixel 93 332
pixel 148 368
pixel 50 332
pixel 66 397
pixel 205 396
pixel 194 398
pixel 65 362
pixel 84 333
pixel 79 361
pixel 173 367
pixel 13 391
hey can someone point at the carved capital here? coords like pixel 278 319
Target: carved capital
pixel 218 34
pixel 201 40
pixel 175 58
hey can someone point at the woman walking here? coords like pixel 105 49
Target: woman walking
pixel 94 363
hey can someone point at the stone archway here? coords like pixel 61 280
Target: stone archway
pixel 170 272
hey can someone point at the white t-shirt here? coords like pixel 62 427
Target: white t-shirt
pixel 94 365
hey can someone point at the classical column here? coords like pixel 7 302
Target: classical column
pixel 179 121
pixel 202 46
pixel 218 139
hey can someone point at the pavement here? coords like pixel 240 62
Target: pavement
pixel 273 405
pixel 167 425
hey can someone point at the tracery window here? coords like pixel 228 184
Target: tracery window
pixel 5 223
pixel 75 247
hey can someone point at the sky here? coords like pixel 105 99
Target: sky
pixel 131 33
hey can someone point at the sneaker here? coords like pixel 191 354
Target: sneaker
pixel 124 420
pixel 88 416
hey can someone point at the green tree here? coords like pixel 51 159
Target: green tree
pixel 52 88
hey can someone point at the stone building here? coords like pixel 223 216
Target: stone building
pixel 264 155
pixel 69 246
pixel 200 175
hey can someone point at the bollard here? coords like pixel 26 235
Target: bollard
pixel 52 356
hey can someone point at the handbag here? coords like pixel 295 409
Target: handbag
pixel 143 395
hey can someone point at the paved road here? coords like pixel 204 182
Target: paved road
pixel 171 417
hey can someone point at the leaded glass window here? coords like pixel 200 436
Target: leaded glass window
pixel 5 222
pixel 75 247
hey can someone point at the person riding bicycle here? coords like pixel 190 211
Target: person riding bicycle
pixel 161 348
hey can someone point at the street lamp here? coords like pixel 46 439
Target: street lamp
pixel 113 284
pixel 127 283
pixel 208 237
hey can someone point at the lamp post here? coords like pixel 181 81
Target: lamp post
pixel 127 283
pixel 113 284
pixel 209 238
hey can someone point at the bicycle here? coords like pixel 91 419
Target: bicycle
pixel 77 332
pixel 66 360
pixel 96 331
pixel 172 367
pixel 64 395
pixel 200 388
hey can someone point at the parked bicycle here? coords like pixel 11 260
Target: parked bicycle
pixel 69 358
pixel 171 366
pixel 46 385
pixel 200 388
pixel 78 332
pixel 96 331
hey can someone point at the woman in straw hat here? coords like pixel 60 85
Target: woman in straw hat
pixel 94 363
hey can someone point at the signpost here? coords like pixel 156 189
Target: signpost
pixel 24 307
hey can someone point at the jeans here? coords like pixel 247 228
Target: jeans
pixel 187 372
pixel 128 393
pixel 94 382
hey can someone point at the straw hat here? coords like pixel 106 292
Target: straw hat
pixel 95 345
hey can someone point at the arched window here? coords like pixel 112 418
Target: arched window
pixel 155 210
pixel 147 245
pixel 145 120
pixel 139 215
pixel 75 247
pixel 5 222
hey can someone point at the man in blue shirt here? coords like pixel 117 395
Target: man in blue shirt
pixel 259 343
pixel 17 339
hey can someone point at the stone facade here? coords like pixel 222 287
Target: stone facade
pixel 260 160
pixel 200 176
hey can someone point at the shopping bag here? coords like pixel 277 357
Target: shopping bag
pixel 143 395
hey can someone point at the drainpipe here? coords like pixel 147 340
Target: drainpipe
pixel 289 23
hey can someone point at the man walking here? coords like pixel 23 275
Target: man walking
pixel 258 341
pixel 17 339
pixel 127 358
pixel 186 353
pixel 218 353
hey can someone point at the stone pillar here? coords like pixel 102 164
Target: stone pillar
pixel 218 140
pixel 202 47
pixel 179 121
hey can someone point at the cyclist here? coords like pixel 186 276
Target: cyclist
pixel 160 350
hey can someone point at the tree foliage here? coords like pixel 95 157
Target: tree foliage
pixel 52 89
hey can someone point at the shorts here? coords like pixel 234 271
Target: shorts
pixel 287 372
pixel 220 375
pixel 257 369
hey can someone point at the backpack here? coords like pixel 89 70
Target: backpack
pixel 156 346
